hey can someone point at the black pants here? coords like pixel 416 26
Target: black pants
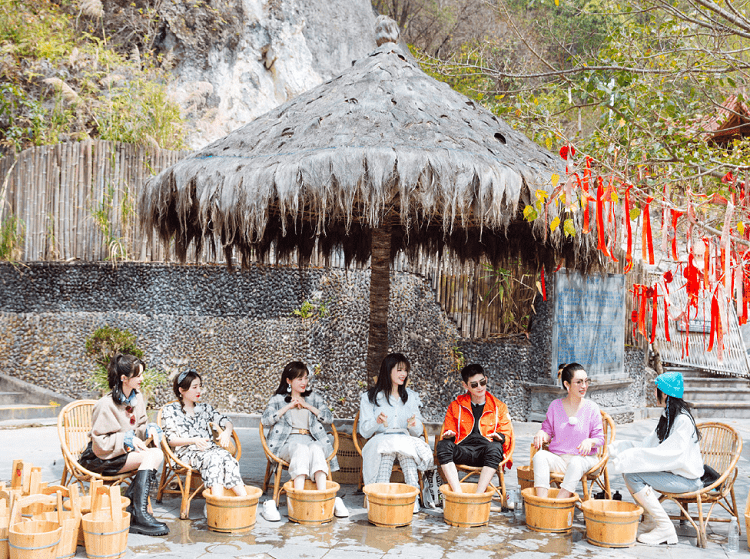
pixel 476 452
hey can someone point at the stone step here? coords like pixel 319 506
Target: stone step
pixel 10 397
pixel 726 393
pixel 723 409
pixel 726 383
pixel 11 412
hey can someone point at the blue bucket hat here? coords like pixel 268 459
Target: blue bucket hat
pixel 671 384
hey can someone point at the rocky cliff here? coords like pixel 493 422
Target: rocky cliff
pixel 236 59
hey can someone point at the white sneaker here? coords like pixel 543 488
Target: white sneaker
pixel 339 508
pixel 270 512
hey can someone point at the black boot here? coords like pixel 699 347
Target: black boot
pixel 129 494
pixel 141 522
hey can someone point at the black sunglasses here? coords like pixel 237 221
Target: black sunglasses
pixel 475 384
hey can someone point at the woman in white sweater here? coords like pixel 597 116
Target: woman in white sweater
pixel 668 460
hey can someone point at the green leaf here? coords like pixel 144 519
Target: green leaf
pixel 569 227
pixel 529 213
pixel 634 213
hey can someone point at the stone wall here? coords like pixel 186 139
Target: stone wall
pixel 239 330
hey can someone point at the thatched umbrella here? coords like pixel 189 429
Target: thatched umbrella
pixel 379 159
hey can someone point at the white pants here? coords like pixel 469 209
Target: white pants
pixel 572 465
pixel 305 456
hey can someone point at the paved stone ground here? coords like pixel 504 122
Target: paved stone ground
pixel 428 537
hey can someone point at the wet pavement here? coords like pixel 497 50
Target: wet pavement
pixel 351 538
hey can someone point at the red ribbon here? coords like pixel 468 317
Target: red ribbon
pixel 544 286
pixel 647 245
pixel 602 245
pixel 675 216
pixel 585 198
pixel 629 253
pixel 715 323
pixel 654 310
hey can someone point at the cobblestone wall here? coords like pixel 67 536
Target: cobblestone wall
pixel 239 329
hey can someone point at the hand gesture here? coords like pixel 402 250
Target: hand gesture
pixel 138 444
pixel 383 419
pixel 540 438
pixel 585 447
pixel 449 434
pixel 201 443
pixel 412 421
pixel 497 436
pixel 225 438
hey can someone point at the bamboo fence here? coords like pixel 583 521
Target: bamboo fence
pixel 78 201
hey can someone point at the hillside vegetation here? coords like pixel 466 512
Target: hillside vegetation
pixel 66 76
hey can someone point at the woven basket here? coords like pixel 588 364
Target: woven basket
pixel 350 462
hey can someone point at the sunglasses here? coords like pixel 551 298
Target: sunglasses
pixel 129 409
pixel 482 382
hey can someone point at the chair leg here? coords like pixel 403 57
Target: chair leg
pixel 64 477
pixel 607 489
pixel 267 477
pixel 585 484
pixel 162 481
pixel 185 497
pixel 734 507
pixel 277 486
pixel 503 492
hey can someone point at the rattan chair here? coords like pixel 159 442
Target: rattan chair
pixel 721 447
pixel 359 443
pixel 180 478
pixel 74 431
pixel 598 473
pixel 279 465
pixel 467 471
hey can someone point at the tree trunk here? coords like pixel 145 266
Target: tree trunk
pixel 380 290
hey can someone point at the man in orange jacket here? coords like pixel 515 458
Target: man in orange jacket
pixel 477 431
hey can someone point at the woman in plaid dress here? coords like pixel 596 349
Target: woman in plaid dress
pixel 295 416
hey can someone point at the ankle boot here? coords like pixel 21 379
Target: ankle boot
pixel 664 530
pixel 141 522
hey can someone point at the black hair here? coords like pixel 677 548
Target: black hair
pixel 471 371
pixel 187 380
pixel 383 382
pixel 122 364
pixel 569 371
pixel 674 407
pixel 560 367
pixel 293 370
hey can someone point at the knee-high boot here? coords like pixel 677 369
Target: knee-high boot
pixel 664 530
pixel 648 523
pixel 141 522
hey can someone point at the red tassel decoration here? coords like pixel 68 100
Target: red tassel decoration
pixel 675 216
pixel 654 310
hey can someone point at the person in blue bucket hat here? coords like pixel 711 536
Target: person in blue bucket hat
pixel 667 460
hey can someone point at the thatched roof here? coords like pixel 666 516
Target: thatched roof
pixel 382 141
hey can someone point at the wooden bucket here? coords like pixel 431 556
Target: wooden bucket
pixel 611 523
pixel 747 519
pixel 105 529
pixel 525 477
pixel 549 514
pixel 310 506
pixel 85 508
pixel 230 513
pixel 6 502
pixel 390 504
pixel 468 508
pixel 70 520
pixel 33 539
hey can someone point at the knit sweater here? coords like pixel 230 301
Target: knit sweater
pixel 110 423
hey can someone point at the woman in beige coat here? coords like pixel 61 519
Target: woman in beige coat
pixel 119 428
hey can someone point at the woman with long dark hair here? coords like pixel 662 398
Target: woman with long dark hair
pixel 573 429
pixel 297 415
pixel 389 416
pixel 668 460
pixel 119 429
pixel 187 426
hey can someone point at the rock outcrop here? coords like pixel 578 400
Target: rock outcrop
pixel 237 59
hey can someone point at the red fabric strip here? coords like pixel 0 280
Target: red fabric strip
pixel 648 243
pixel 601 245
pixel 629 253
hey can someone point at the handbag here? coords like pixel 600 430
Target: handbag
pixel 709 475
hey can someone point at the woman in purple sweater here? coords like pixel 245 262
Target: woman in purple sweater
pixel 573 429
